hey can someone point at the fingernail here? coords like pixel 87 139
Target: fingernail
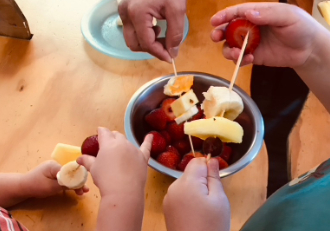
pixel 255 13
pixel 174 51
pixel 219 16
pixel 101 130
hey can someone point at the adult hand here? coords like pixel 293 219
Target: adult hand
pixel 141 35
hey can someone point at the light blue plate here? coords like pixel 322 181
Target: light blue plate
pixel 99 27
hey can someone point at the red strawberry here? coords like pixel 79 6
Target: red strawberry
pixel 176 131
pixel 199 115
pixel 167 137
pixel 198 143
pixel 236 31
pixel 198 154
pixel 222 163
pixel 184 162
pixel 166 106
pixel 157 119
pixel 90 146
pixel 169 159
pixel 226 153
pixel 170 148
pixel 182 146
pixel 158 144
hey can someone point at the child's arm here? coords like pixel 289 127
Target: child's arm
pixel 39 182
pixel 12 189
pixel 120 172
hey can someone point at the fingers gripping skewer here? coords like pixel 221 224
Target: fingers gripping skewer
pixel 238 64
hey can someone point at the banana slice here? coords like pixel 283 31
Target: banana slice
pixel 218 99
pixel 324 8
pixel 184 103
pixel 187 115
pixel 72 175
pixel 64 153
pixel 227 130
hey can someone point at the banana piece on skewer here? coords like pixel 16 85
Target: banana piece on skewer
pixel 219 99
pixel 72 175
pixel 324 8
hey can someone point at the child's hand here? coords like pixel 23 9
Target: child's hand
pixel 197 201
pixel 120 167
pixel 41 182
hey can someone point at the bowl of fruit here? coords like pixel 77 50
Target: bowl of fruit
pixel 195 115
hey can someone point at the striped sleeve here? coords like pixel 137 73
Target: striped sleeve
pixel 8 223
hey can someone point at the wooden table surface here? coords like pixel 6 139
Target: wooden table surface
pixel 56 88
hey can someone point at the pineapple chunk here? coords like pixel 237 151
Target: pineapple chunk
pixel 187 115
pixel 184 103
pixel 228 131
pixel 64 153
pixel 324 8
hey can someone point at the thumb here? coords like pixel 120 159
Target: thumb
pixel 175 28
pixel 196 168
pixel 213 177
pixel 146 146
pixel 51 168
pixel 87 161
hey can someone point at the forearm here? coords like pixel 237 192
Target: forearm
pixel 11 189
pixel 121 212
pixel 316 71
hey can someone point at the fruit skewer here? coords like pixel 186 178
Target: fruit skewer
pixel 189 136
pixel 238 64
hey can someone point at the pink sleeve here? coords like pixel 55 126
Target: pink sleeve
pixel 8 223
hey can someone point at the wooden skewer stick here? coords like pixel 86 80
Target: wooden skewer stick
pixel 238 64
pixel 190 141
pixel 174 68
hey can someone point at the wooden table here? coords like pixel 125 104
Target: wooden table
pixel 56 88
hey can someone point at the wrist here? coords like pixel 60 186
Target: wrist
pixel 316 60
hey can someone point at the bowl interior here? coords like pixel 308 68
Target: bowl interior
pixel 152 96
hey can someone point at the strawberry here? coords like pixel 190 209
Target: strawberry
pixel 226 153
pixel 170 148
pixel 222 163
pixel 198 143
pixel 167 137
pixel 182 146
pixel 236 31
pixel 90 146
pixel 158 144
pixel 169 159
pixel 176 131
pixel 157 119
pixel 184 162
pixel 187 158
pixel 166 107
pixel 199 115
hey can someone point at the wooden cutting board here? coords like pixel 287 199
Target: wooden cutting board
pixel 12 21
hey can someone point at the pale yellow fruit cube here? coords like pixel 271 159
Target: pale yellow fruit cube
pixel 65 153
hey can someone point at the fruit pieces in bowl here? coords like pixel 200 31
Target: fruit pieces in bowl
pixel 171 146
